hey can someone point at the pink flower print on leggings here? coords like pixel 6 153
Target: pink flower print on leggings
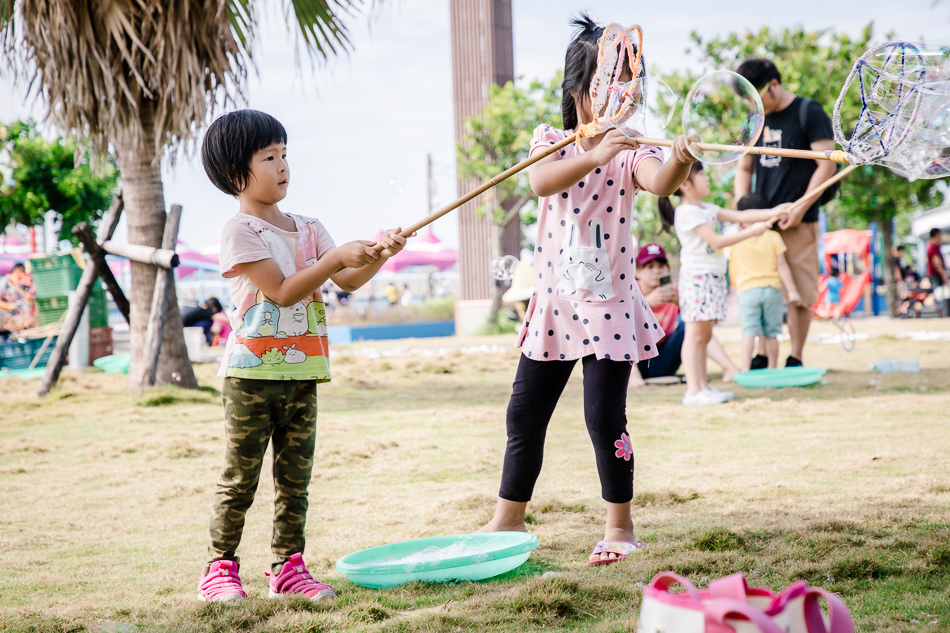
pixel 624 448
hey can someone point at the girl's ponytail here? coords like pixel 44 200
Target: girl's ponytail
pixel 667 211
pixel 579 66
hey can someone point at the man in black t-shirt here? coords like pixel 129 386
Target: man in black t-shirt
pixel 790 123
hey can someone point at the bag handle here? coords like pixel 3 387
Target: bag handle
pixel 721 608
pixel 839 618
pixel 733 587
pixel 664 580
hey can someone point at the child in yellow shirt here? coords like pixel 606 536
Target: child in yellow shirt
pixel 758 268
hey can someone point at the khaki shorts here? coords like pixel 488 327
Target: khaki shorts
pixel 802 257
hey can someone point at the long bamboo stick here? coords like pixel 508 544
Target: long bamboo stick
pixel 836 155
pixel 485 186
pixel 810 197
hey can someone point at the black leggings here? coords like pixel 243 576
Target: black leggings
pixel 537 387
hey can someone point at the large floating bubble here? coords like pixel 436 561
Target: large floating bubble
pixel 503 268
pixel 723 108
pixel 652 106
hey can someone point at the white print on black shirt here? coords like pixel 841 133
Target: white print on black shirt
pixel 772 139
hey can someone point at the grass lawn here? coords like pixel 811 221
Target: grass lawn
pixel 105 494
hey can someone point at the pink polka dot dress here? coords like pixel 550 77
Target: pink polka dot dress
pixel 586 299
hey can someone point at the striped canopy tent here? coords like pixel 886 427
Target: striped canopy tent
pixel 423 250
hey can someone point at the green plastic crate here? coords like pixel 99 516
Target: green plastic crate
pixel 18 354
pixel 55 276
pixel 51 308
pixel 98 309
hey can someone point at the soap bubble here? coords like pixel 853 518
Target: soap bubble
pixel 722 107
pixel 652 111
pixel 394 185
pixel 502 268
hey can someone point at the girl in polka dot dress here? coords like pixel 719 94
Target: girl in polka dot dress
pixel 702 281
pixel 586 304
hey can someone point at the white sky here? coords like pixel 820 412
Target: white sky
pixel 360 127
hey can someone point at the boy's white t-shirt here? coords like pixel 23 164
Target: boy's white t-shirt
pixel 697 257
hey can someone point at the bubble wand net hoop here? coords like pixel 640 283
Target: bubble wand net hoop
pixel 615 51
pixel 904 118
pixel 622 100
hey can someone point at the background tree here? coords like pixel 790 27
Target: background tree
pixel 37 176
pixel 144 77
pixel 498 138
pixel 815 64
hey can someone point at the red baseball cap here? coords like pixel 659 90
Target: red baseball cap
pixel 650 252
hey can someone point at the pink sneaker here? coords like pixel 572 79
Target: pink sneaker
pixel 221 583
pixel 294 579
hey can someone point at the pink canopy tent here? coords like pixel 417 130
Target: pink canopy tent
pixel 13 251
pixel 422 250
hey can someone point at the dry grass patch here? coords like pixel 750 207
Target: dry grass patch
pixel 106 494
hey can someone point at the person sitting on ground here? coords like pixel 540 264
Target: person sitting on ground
pixel 653 272
pixel 202 316
pixel 758 268
pixel 220 323
pixel 17 300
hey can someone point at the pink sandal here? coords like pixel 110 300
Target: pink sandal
pixel 621 548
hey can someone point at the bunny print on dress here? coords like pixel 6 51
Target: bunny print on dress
pixel 585 268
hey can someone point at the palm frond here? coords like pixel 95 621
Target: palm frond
pixel 95 62
pixel 320 24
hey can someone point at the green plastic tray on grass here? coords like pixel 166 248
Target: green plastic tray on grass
pixel 779 377
pixel 438 559
pixel 114 364
pixel 22 374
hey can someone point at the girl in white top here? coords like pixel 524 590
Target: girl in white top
pixel 702 279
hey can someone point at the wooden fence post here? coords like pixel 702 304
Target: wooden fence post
pixel 164 280
pixel 86 282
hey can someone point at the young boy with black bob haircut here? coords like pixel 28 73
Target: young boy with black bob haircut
pixel 277 351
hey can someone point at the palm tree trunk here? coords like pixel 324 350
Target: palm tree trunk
pixel 145 214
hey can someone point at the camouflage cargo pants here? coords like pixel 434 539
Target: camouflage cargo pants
pixel 257 412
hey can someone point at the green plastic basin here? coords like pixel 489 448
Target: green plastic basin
pixel 779 377
pixel 438 559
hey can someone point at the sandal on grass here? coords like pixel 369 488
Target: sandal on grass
pixel 621 548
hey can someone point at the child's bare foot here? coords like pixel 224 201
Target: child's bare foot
pixel 498 526
pixel 509 517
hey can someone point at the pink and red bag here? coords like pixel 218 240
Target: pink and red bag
pixel 731 606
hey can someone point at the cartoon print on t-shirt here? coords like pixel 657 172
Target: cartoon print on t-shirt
pixel 259 320
pixel 585 268
pixel 316 319
pixel 265 320
pixel 292 320
pixel 294 356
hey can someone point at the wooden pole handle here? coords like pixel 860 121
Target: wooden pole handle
pixel 836 155
pixel 810 197
pixel 485 186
